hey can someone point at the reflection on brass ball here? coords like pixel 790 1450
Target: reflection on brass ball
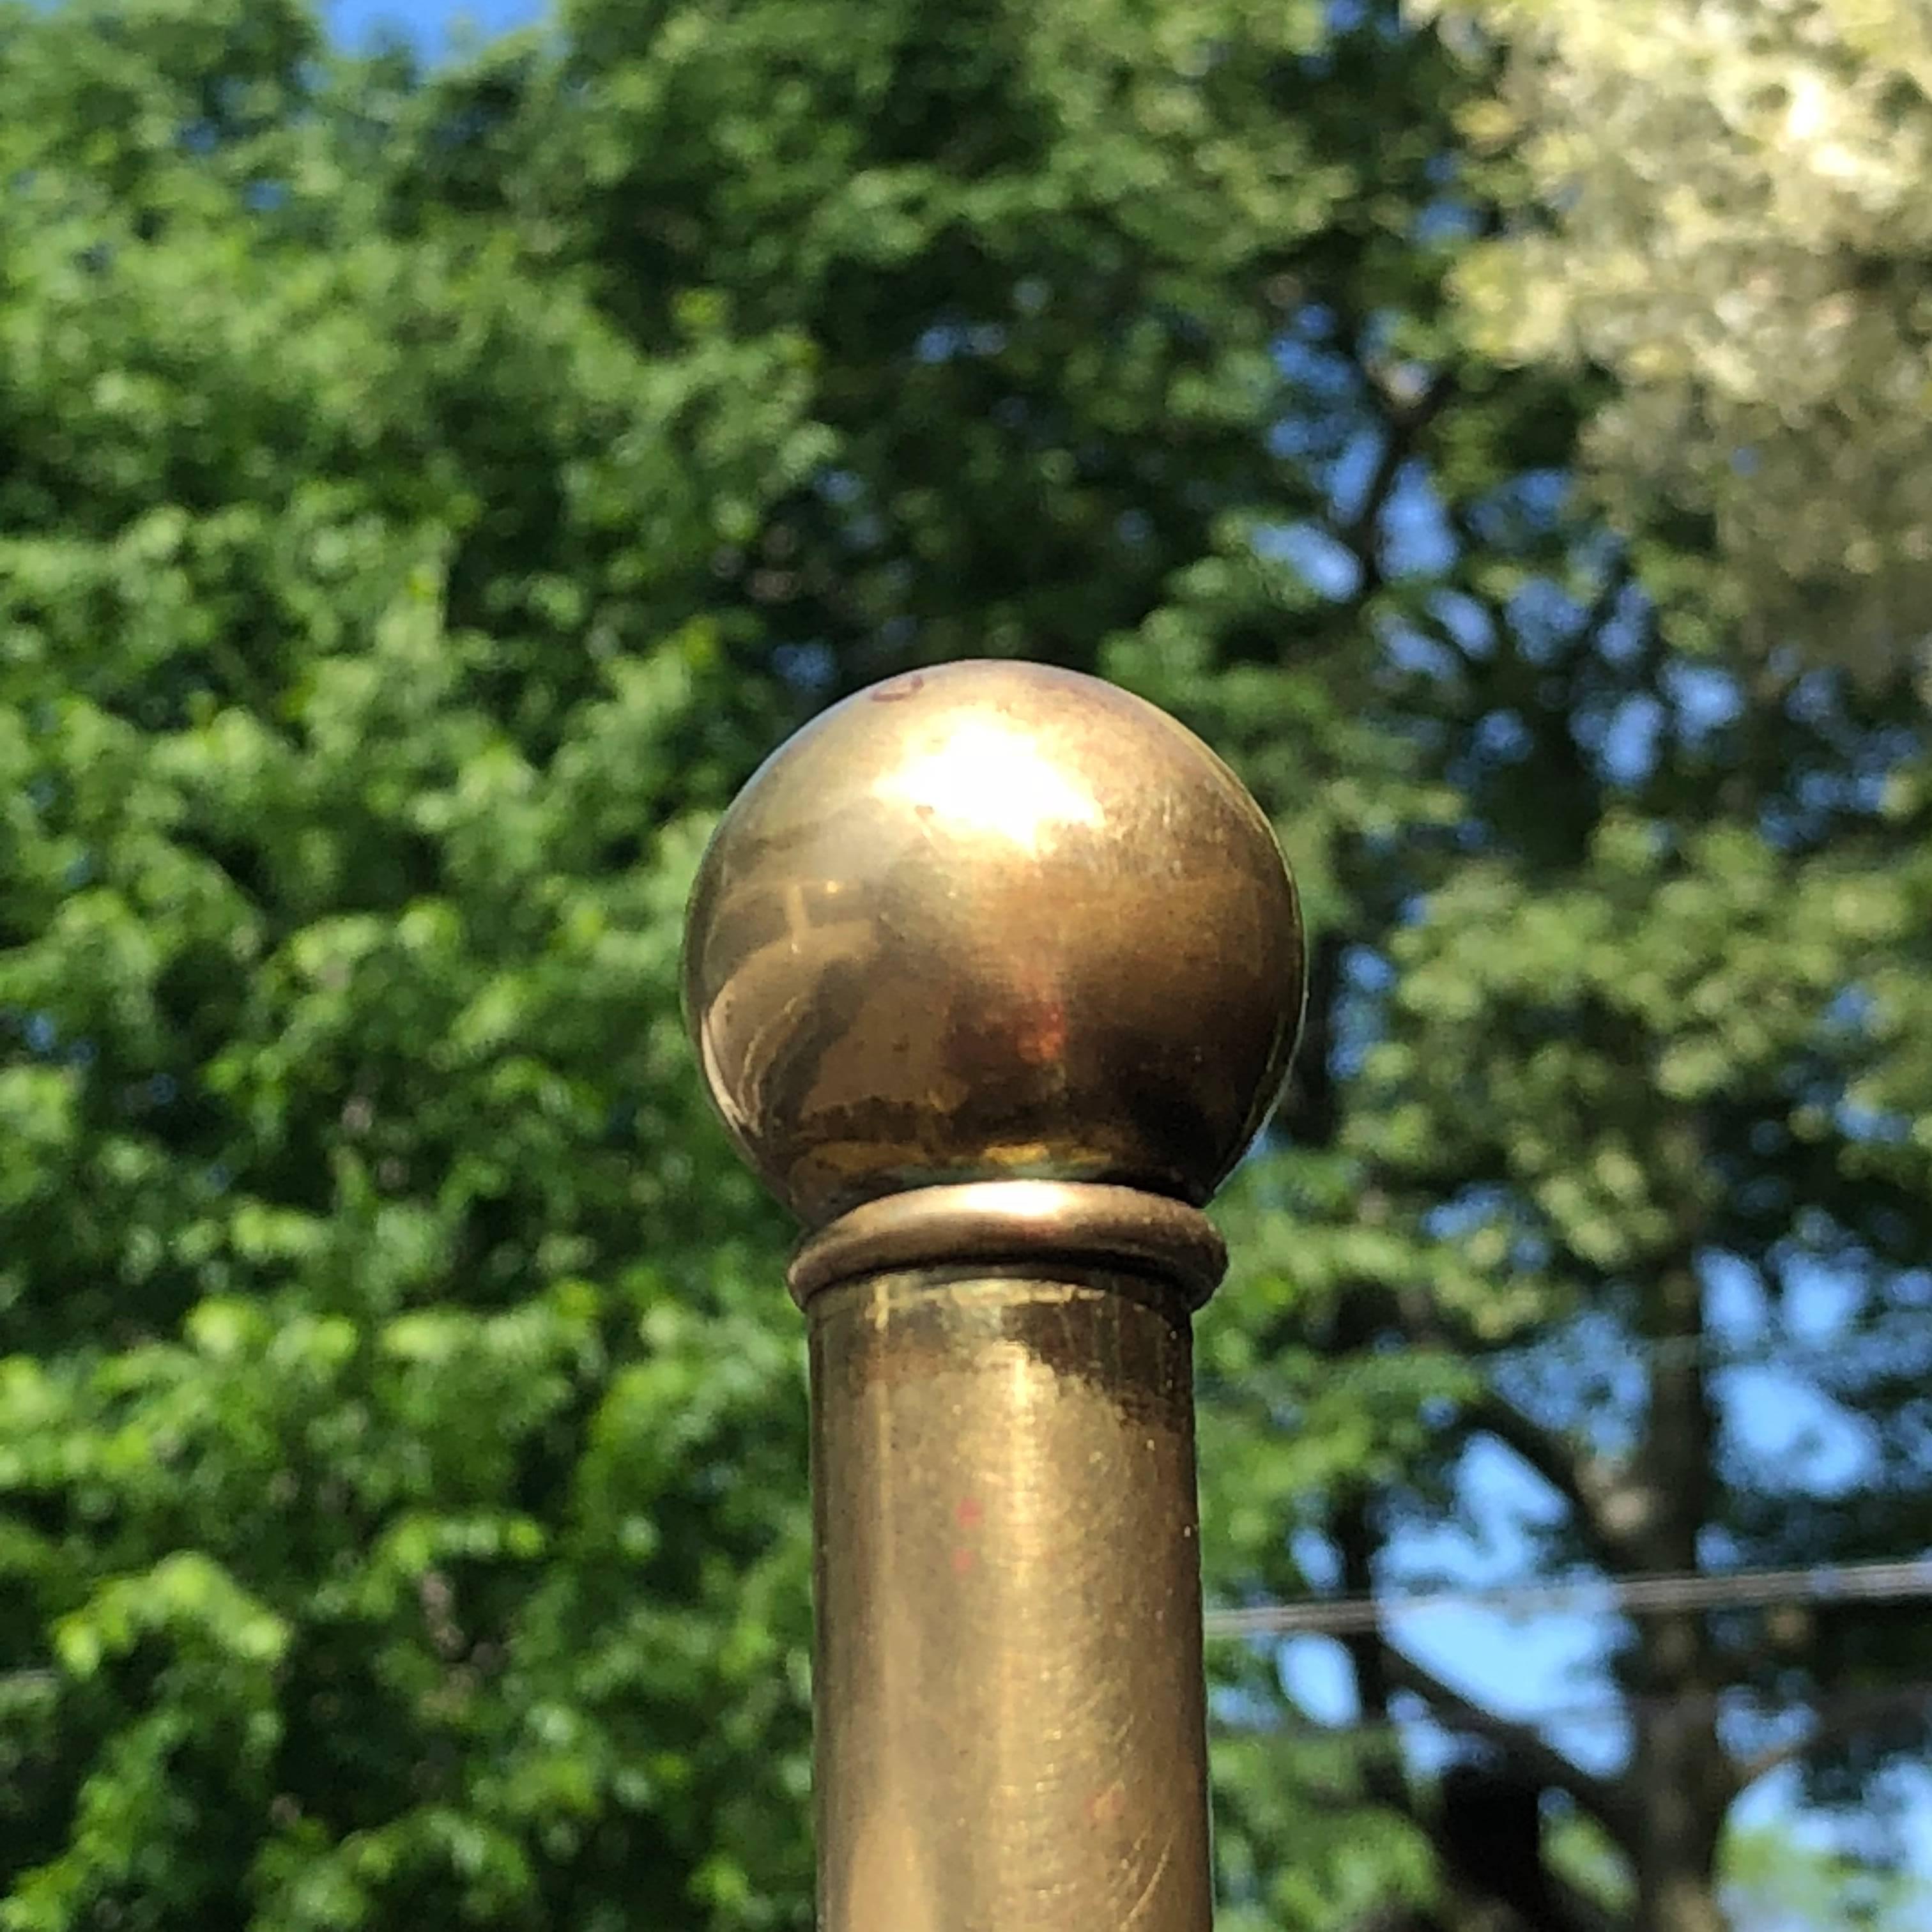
pixel 991 921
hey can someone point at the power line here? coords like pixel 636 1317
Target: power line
pixel 1654 1595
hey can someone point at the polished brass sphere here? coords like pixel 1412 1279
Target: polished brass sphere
pixel 987 922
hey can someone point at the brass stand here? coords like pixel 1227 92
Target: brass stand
pixel 993 973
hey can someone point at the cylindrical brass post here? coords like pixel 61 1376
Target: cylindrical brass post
pixel 1011 1731
pixel 994 971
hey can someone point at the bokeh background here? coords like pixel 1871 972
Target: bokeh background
pixel 438 459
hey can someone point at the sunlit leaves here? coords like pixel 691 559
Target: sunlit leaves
pixel 1739 232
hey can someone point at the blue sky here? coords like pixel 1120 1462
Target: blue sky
pixel 433 26
pixel 1520 1667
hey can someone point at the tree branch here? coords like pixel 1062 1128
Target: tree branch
pixel 1605 1799
pixel 1567 1909
pixel 1406 428
pixel 1571 1472
pixel 1589 1487
pixel 1383 1773
pixel 1850 1713
pixel 1576 1913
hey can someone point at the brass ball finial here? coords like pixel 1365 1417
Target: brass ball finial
pixel 989 922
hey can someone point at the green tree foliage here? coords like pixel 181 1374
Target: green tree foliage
pixel 424 499
pixel 402 1453
pixel 1774 1884
pixel 1738 230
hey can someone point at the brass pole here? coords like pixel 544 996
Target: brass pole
pixel 994 971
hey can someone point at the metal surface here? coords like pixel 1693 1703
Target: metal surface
pixel 1009 1696
pixel 1062 1222
pixel 993 972
pixel 992 919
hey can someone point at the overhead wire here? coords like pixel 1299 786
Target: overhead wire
pixel 1661 1593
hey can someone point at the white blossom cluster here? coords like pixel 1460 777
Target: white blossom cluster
pixel 1740 195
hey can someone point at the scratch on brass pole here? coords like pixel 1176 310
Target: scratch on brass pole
pixel 994 971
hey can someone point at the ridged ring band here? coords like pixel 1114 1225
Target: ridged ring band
pixel 1017 1222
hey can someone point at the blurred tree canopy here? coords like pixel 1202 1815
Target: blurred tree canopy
pixel 1739 232
pixel 424 497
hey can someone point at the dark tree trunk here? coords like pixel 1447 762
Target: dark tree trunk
pixel 1683 1784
